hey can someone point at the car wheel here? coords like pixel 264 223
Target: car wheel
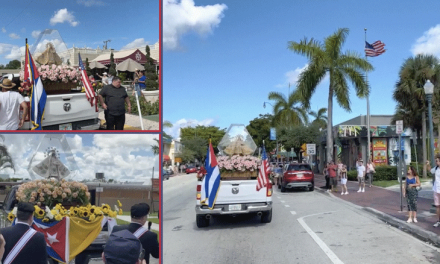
pixel 266 217
pixel 202 221
pixel 279 186
pixel 311 188
pixel 283 189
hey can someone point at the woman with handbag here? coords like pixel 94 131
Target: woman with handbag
pixel 371 169
pixel 410 191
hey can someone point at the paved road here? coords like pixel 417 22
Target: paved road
pixel 307 227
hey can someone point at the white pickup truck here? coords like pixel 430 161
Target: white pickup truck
pixel 236 197
pixel 71 111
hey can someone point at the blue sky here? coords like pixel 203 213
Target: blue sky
pixel 222 58
pixel 127 156
pixel 128 24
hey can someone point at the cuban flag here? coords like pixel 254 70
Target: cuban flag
pixel 38 94
pixel 211 182
pixel 57 237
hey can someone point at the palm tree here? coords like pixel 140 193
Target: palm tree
pixel 286 112
pixel 320 117
pixel 327 58
pixel 410 94
pixel 155 148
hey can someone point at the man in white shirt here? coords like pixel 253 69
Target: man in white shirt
pixel 436 188
pixel 10 103
pixel 361 175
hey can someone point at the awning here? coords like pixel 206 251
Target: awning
pixel 129 65
pixel 134 54
pixel 96 65
pixel 166 157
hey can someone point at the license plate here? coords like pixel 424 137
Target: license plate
pixel 234 207
pixel 299 175
pixel 66 126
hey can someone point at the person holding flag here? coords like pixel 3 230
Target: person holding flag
pixel 38 94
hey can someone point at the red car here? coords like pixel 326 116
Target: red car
pixel 297 175
pixel 190 169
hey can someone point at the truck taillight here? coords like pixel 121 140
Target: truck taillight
pixel 269 189
pixel 199 189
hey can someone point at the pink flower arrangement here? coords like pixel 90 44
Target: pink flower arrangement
pixel 54 73
pixel 238 163
pixel 51 192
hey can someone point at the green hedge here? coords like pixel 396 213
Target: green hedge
pixel 383 173
pixel 147 108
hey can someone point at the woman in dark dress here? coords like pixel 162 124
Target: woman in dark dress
pixel 410 191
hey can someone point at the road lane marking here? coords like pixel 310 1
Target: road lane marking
pixel 282 201
pixel 332 256
pixel 286 205
pixel 293 212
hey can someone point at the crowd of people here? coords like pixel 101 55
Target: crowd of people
pixel 128 244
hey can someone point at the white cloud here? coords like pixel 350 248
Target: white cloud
pixel 14 36
pixel 5 47
pixel 175 130
pixel 140 42
pixel 118 156
pixel 291 77
pixel 428 43
pixel 3 30
pixel 90 3
pixel 181 17
pixel 16 53
pixel 62 16
pixel 36 33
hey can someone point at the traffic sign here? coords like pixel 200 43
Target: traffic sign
pixel 399 126
pixel 99 189
pixel 311 149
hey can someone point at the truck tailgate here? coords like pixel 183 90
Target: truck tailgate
pixel 66 108
pixel 240 191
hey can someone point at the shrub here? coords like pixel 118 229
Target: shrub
pixel 383 173
pixel 147 108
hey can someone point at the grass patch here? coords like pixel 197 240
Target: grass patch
pixel 121 222
pixel 128 213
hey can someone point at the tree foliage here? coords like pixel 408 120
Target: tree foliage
pixel 13 64
pixel 259 129
pixel 193 148
pixel 150 72
pixel 320 118
pixel 288 111
pixel 88 70
pixel 328 58
pixel 294 137
pixel 203 132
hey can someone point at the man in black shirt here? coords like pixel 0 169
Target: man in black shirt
pixel 115 99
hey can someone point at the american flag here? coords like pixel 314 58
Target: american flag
pixel 264 171
pixel 90 93
pixel 375 49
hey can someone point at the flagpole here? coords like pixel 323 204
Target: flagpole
pixel 368 105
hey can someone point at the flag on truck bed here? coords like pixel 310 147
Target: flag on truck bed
pixel 211 182
pixel 38 94
pixel 264 171
pixel 90 93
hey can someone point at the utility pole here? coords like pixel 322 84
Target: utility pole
pixel 105 43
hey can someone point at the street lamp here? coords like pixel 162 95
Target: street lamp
pixel 429 90
pixel 264 104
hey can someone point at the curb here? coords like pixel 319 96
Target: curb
pixel 414 230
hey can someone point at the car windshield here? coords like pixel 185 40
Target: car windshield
pixel 299 167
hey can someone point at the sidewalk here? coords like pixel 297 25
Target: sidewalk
pixel 385 204
pixel 132 122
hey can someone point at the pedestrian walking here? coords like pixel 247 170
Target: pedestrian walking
pixel 361 175
pixel 10 102
pixel 344 180
pixel 115 100
pixel 332 167
pixel 139 213
pixel 436 185
pixel 23 243
pixel 410 191
pixel 123 247
pixel 371 169
pixel 327 178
